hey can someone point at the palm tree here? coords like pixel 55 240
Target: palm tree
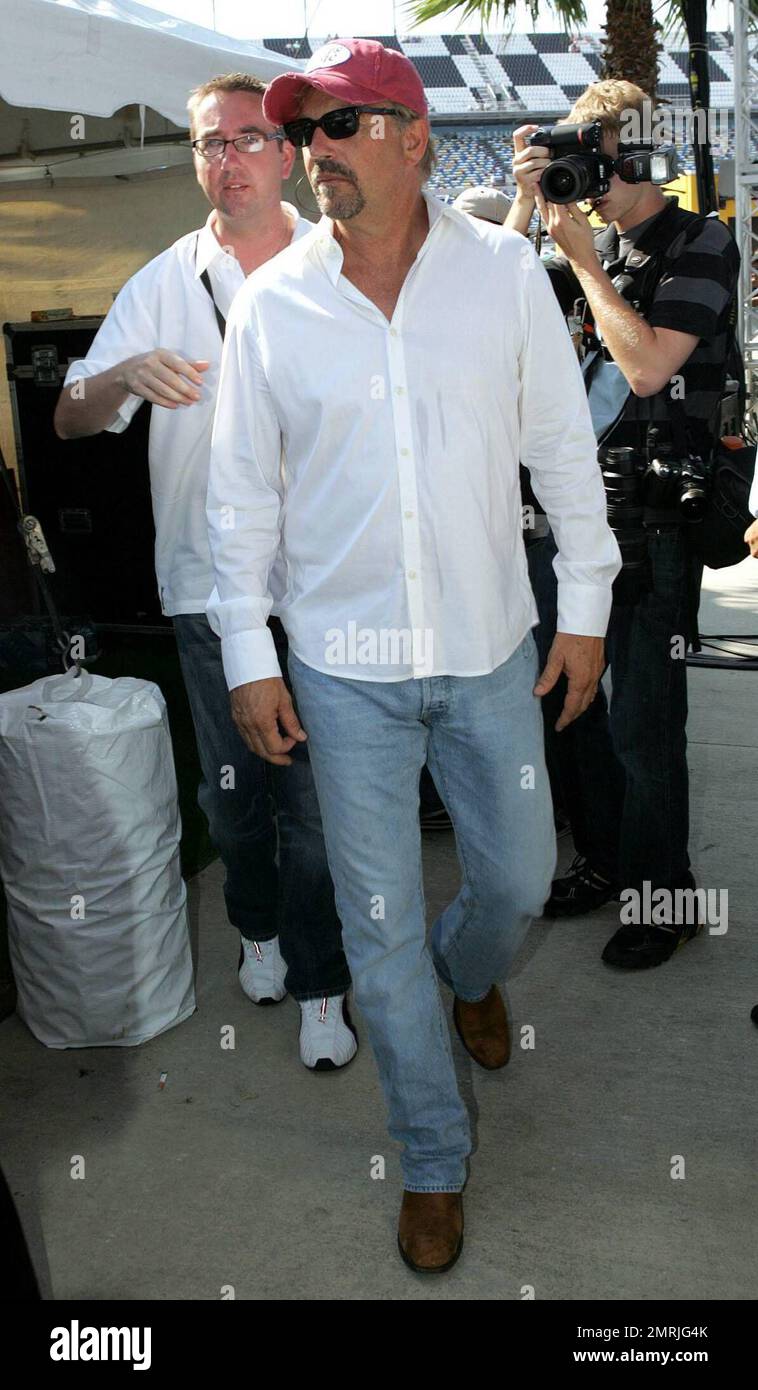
pixel 630 47
pixel 631 43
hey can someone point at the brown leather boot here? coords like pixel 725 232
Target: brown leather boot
pixel 430 1231
pixel 483 1029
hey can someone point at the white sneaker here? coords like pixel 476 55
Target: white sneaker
pixel 328 1039
pixel 262 970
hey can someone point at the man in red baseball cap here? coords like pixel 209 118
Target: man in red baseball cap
pixel 356 70
pixel 381 382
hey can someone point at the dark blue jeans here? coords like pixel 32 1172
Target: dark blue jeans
pixel 266 825
pixel 623 771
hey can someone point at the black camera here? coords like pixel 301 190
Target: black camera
pixel 579 169
pixel 622 469
pixel 676 481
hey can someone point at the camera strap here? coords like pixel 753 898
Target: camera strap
pixel 206 280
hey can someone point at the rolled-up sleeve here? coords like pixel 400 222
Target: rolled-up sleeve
pixel 558 446
pixel 127 330
pixel 245 494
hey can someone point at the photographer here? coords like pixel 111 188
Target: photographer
pixel 653 293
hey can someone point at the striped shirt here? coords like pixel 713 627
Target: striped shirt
pixel 694 295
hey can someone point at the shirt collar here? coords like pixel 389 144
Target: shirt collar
pixel 323 239
pixel 209 247
pixel 635 234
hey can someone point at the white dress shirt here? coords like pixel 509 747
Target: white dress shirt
pixel 166 305
pixel 364 473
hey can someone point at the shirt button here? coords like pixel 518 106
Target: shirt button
pixel 411 574
pixel 399 390
pixel 404 453
pixel 393 332
pixel 408 515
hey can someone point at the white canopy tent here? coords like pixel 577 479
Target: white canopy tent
pixel 79 214
pixel 95 56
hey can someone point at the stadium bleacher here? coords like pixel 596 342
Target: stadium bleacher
pixel 520 77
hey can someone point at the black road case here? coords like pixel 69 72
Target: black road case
pixel 92 496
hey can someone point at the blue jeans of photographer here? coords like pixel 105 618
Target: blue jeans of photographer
pixel 265 823
pixel 623 768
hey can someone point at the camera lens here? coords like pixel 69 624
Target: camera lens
pixel 563 183
pixel 566 180
pixel 621 467
pixel 623 460
pixel 620 486
pixel 692 503
pixel 624 516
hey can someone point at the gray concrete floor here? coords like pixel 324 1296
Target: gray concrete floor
pixel 246 1170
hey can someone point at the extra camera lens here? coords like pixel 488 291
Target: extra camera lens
pixel 618 486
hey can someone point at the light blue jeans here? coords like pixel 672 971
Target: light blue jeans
pixel 482 737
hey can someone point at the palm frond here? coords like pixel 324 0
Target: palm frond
pixel 571 13
pixel 670 14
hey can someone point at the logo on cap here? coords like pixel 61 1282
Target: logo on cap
pixel 328 56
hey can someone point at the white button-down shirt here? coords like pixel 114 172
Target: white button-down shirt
pixel 364 474
pixel 166 305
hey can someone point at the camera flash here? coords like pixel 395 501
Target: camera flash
pixel 659 168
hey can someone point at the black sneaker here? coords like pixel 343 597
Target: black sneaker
pixel 639 948
pixel 582 890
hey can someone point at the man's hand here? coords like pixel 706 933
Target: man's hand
pixel 571 231
pixel 163 377
pixel 261 709
pixel 528 161
pixel 583 660
pixel 751 539
pixel 528 165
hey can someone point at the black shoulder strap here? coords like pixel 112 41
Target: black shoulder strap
pixel 660 250
pixel 206 279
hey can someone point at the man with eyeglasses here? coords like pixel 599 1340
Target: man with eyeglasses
pixel 381 380
pixel 161 342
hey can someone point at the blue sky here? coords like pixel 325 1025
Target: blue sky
pixel 253 19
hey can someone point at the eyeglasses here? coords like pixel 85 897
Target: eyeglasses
pixel 212 146
pixel 338 125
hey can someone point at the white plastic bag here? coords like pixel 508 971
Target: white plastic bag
pixel 89 856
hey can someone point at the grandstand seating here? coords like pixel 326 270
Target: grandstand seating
pixel 528 72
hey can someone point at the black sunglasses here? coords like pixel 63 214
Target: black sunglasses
pixel 338 125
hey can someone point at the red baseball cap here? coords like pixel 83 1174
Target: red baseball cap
pixel 359 71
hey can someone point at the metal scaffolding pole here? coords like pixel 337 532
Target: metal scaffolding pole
pixel 746 191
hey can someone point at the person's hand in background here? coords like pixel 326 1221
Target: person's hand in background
pixel 528 166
